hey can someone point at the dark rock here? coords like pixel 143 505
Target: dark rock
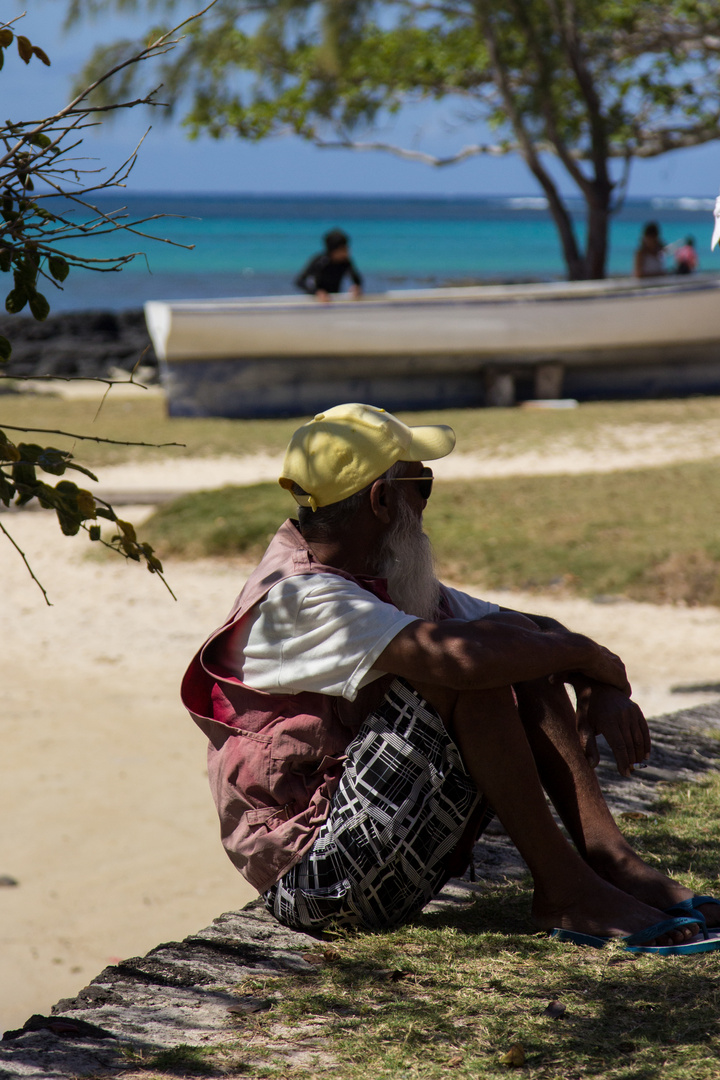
pixel 77 343
pixel 65 1027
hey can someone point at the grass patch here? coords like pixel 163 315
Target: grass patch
pixel 650 534
pixel 228 521
pixel 489 431
pixel 455 990
pixel 183 1060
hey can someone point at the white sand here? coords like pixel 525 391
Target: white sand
pixel 629 447
pixel 109 826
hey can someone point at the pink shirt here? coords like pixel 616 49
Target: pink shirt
pixel 274 760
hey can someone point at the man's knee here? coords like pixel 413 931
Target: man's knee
pixel 463 708
pixel 547 696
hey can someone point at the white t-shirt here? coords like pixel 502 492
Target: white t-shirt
pixel 323 633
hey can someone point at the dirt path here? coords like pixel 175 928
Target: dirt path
pixel 630 447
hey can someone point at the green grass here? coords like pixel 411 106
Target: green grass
pixel 490 431
pixel 454 991
pixel 650 534
pixel 451 993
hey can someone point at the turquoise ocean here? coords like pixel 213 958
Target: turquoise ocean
pixel 250 245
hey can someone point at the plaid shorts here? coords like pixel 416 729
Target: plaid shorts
pixel 403 803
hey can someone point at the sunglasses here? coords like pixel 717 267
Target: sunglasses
pixel 424 482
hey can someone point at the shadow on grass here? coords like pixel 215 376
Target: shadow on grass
pixel 630 1012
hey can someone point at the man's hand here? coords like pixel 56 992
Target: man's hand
pixel 322 296
pixel 604 710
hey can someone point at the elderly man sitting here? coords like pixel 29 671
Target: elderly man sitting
pixel 365 721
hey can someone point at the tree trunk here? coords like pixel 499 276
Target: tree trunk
pixel 598 227
pixel 576 265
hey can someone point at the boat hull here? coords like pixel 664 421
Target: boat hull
pixel 439 348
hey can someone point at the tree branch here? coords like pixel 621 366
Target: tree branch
pixel 88 438
pixel 492 150
pixel 23 556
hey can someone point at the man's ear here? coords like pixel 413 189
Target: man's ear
pixel 379 500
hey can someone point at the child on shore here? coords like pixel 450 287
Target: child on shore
pixel 324 273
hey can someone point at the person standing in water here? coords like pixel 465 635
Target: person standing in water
pixel 324 274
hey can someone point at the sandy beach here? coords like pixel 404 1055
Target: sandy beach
pixel 110 832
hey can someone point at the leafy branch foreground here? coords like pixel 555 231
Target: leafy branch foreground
pixel 467 992
pixel 73 505
pixel 45 209
pixel 649 534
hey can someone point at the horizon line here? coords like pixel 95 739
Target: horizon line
pixel 350 196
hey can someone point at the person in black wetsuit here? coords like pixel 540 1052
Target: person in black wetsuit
pixel 324 273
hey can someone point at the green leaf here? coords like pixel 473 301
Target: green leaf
pixel 40 140
pixel 5 260
pixel 23 474
pixel 94 532
pixel 39 307
pixel 41 55
pixel 82 469
pixel 5 349
pixel 29 452
pixel 58 267
pixel 25 49
pixel 69 521
pixel 86 504
pixel 6 37
pixel 25 275
pixel 66 507
pixel 7 489
pixel 15 301
pixel 53 461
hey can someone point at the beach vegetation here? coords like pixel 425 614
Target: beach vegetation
pixel 495 435
pixel 47 206
pixel 579 89
pixel 645 534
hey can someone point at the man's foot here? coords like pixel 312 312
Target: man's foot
pixel 601 909
pixel 629 873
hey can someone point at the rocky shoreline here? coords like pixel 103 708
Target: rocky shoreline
pixel 80 344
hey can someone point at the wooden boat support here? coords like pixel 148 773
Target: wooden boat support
pixel 440 348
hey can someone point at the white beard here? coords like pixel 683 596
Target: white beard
pixel 408 563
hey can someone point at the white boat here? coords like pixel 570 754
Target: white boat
pixel 438 348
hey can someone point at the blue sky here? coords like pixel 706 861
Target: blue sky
pixel 170 162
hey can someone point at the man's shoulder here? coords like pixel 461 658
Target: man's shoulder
pixel 464 605
pixel 317 584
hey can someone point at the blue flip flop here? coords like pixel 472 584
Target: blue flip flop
pixel 635 942
pixel 689 907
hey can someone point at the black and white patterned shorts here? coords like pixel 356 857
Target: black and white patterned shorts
pixel 403 803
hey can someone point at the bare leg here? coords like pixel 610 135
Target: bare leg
pixel 497 754
pixel 549 721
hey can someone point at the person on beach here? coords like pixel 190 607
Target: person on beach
pixel 366 721
pixel 686 259
pixel 650 255
pixel 325 272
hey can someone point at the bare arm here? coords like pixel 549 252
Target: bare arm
pixel 495 651
pixel 604 710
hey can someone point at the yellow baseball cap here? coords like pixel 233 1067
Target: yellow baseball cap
pixel 341 451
